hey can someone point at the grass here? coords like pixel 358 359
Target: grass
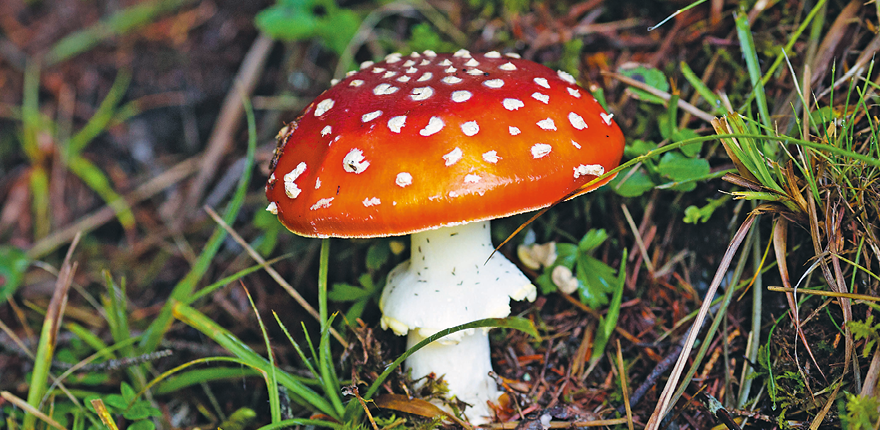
pixel 791 266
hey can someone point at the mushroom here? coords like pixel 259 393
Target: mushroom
pixel 436 145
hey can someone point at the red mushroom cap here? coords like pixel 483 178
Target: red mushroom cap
pixel 428 140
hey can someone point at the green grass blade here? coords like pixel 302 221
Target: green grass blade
pixel 271 378
pixel 195 377
pixel 92 176
pixel 184 289
pixel 99 121
pixel 226 339
pixel 117 24
pixel 516 323
pixel 747 44
pixel 702 89
pixel 607 325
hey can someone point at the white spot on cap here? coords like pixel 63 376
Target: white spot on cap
pixel 472 179
pixel 426 77
pixel 396 123
pixel 540 150
pixel 606 117
pixel 403 179
pixel 450 69
pixel 425 62
pixel 453 194
pixel 323 106
pixel 543 98
pixel 507 66
pixel 378 69
pixel 472 63
pixel 461 96
pixel 323 203
pixel 513 130
pixel 272 178
pixel 470 128
pixel 493 54
pixel 512 55
pixel 512 104
pixel 411 70
pixel 576 145
pixel 547 124
pixel 415 54
pixel 422 93
pixel 435 124
pixel 429 53
pixel 494 83
pixel 576 121
pixel 475 72
pixel 326 130
pixel 453 156
pixel 317 183
pixel 389 74
pixel 272 208
pixel 356 83
pixel 464 53
pixel 290 188
pixel 588 169
pixel 409 63
pixel 542 82
pixel 574 92
pixel 403 78
pixel 371 202
pixel 354 161
pixel 371 116
pixel 393 57
pixel 445 63
pixel 334 81
pixel 491 157
pixel 565 76
pixel 366 64
pixel 350 73
pixel 451 80
pixel 384 89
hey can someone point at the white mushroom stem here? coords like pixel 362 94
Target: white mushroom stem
pixel 448 282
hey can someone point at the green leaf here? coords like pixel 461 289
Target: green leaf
pixel 115 402
pixel 591 240
pixel 142 425
pixel 128 393
pixel 377 255
pixel 338 29
pixel 687 150
pixel 597 279
pixel 638 147
pixel 347 293
pixel 631 183
pixel 140 411
pixel 679 168
pixel 651 77
pixel 13 263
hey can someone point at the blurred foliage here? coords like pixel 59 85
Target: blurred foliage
pixel 293 20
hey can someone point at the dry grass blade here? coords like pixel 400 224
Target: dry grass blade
pixel 663 404
pixel 562 424
pixel 273 273
pixel 851 296
pixel 11 398
pixel 623 386
pixel 685 106
pixel 780 245
pixel 402 403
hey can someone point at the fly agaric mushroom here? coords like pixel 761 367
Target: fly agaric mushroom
pixel 436 145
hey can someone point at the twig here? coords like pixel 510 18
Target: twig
pixel 274 274
pixel 227 122
pixel 685 106
pixel 623 386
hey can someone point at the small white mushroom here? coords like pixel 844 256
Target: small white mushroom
pixel 564 279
